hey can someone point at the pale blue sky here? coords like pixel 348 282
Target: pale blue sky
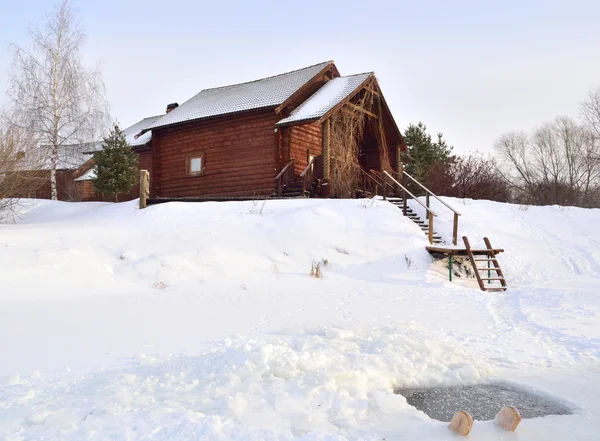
pixel 471 69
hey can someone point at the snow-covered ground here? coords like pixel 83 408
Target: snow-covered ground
pixel 201 321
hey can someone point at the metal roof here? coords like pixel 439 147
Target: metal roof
pixel 326 98
pixel 131 131
pixel 263 93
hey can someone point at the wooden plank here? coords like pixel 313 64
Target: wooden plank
pixel 462 422
pixel 461 251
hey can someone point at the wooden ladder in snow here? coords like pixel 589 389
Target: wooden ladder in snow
pixel 488 255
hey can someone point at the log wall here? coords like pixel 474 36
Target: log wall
pixel 305 140
pixel 240 157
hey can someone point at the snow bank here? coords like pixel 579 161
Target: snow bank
pixel 201 321
pixel 306 384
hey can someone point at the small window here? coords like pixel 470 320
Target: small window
pixel 195 164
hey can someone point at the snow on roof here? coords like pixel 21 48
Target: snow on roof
pixel 88 175
pixel 131 131
pixel 326 98
pixel 266 92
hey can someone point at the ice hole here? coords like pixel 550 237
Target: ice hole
pixel 482 401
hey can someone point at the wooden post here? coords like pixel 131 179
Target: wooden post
pixel 144 188
pixel 430 227
pixel 455 229
pixel 326 149
pixel 427 199
pixel 385 190
pixel 508 418
pixel 404 192
pixel 462 423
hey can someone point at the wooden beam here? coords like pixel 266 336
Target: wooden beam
pixel 373 91
pixel 360 109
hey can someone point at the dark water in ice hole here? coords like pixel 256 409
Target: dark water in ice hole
pixel 482 401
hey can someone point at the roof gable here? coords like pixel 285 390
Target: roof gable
pixel 263 93
pixel 326 98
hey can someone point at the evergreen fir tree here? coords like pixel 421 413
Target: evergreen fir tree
pixel 424 154
pixel 116 165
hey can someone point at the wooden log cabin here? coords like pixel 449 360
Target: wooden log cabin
pixel 267 137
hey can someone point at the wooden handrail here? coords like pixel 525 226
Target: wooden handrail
pixel 283 170
pixel 372 179
pixel 376 175
pixel 429 210
pixel 308 176
pixel 310 163
pixel 283 177
pixel 430 192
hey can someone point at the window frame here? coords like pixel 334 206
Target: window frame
pixel 188 164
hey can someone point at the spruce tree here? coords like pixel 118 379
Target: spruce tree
pixel 116 165
pixel 424 154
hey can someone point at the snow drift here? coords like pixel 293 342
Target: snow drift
pixel 201 321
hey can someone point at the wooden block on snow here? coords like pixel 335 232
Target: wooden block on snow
pixel 508 418
pixel 462 423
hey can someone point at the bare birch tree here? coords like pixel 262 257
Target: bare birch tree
pixel 52 93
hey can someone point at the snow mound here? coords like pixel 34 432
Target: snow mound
pixel 302 385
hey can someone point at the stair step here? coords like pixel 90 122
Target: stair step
pixel 492 278
pixel 484 260
pixel 503 288
pixel 491 268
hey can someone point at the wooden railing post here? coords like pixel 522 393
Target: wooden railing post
pixel 427 199
pixel 144 188
pixel 404 193
pixel 384 187
pixel 455 229
pixel 430 215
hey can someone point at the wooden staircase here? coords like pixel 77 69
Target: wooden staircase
pixel 399 202
pixel 293 189
pixel 489 256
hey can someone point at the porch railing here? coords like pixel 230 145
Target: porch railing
pixel 308 175
pixel 283 177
